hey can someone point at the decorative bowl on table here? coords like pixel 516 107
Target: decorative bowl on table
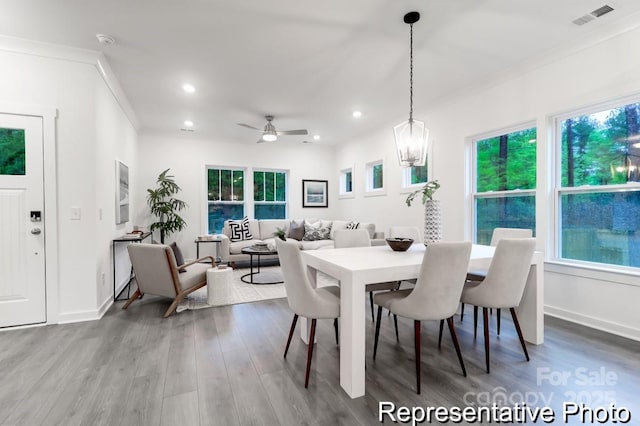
pixel 399 244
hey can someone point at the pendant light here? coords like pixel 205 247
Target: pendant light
pixel 411 135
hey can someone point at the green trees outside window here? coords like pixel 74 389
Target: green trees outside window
pixel 270 194
pixel 225 196
pixel 505 182
pixel 12 152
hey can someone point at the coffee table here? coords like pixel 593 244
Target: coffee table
pixel 258 277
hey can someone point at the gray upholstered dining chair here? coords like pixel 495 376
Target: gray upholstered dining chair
pixel 480 274
pixel 435 296
pixel 157 273
pixel 503 285
pixel 346 238
pixel 303 299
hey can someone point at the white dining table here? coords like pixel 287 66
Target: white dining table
pixel 354 268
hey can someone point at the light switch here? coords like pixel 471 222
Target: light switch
pixel 75 213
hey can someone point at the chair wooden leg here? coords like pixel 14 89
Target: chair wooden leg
pixel 375 339
pixel 312 337
pixel 485 318
pixel 461 311
pixel 440 334
pixel 132 298
pixel 475 322
pixel 174 304
pixel 293 327
pixel 371 304
pixel 519 330
pixel 498 319
pixel 416 328
pixel 335 326
pixel 395 323
pixel 456 344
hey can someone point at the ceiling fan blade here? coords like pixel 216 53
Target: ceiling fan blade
pixel 250 127
pixel 293 132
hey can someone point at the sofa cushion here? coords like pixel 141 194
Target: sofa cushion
pixel 239 230
pixel 315 231
pixel 296 230
pixel 315 245
pixel 371 227
pixel 338 224
pixel 269 226
pixel 237 246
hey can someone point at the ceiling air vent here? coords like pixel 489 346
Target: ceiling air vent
pixel 593 15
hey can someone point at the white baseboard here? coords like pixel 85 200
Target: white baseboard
pixel 593 322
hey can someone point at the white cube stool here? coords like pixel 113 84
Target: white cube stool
pixel 219 285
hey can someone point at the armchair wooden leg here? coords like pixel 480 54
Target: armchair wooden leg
pixel 335 326
pixel 312 338
pixel 519 330
pixel 173 305
pixel 454 337
pixel 485 318
pixel 135 295
pixel 416 328
pixel 375 339
pixel 293 327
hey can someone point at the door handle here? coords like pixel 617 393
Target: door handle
pixel 36 231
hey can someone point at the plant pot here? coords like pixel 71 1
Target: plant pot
pixel 432 222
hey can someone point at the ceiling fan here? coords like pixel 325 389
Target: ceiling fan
pixel 270 134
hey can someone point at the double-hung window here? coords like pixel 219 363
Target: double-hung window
pixel 598 189
pixel 504 182
pixel 225 196
pixel 269 194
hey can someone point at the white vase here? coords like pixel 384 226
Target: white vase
pixel 432 222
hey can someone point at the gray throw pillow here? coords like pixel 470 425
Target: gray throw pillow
pixel 315 232
pixel 177 253
pixel 296 230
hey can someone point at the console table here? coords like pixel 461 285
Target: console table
pixel 124 239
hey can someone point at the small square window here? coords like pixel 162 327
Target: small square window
pixel 414 176
pixel 346 182
pixel 375 178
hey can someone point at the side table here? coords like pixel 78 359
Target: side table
pixel 219 284
pixel 217 241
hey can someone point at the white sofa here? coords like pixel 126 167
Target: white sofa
pixel 262 231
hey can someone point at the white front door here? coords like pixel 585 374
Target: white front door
pixel 22 233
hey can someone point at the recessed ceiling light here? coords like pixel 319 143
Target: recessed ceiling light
pixel 316 137
pixel 188 88
pixel 188 123
pixel 357 114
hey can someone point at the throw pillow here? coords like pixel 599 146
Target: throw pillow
pixel 239 230
pixel 353 225
pixel 315 232
pixel 296 230
pixel 177 253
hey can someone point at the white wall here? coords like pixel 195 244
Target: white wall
pixel 586 77
pixel 90 131
pixel 187 156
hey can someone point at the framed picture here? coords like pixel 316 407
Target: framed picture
pixel 122 192
pixel 314 193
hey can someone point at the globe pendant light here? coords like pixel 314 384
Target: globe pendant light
pixel 411 135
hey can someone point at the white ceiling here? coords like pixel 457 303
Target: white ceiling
pixel 309 63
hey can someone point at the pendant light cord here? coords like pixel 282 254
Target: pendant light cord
pixel 411 74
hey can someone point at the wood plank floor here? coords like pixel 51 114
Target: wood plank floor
pixel 224 366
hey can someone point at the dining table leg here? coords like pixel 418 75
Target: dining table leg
pixel 352 335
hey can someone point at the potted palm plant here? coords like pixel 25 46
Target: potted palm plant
pixel 164 206
pixel 432 211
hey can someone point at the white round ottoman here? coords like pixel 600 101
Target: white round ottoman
pixel 218 285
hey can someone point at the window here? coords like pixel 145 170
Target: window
pixel 415 175
pixel 346 182
pixel 598 192
pixel 225 195
pixel 375 178
pixel 270 194
pixel 12 152
pixel 505 182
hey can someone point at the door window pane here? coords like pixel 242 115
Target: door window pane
pixel 12 152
